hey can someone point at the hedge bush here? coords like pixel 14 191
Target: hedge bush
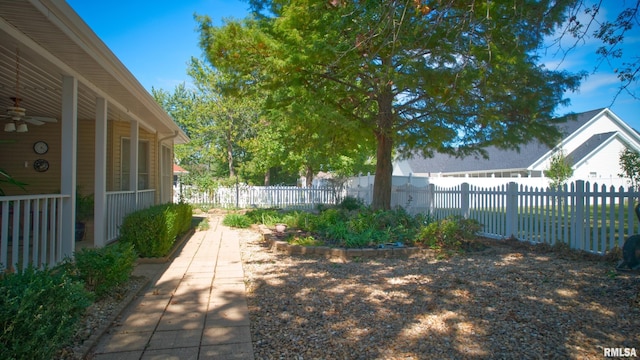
pixel 39 312
pixel 153 231
pixel 103 269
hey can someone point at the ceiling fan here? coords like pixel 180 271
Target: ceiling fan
pixel 17 114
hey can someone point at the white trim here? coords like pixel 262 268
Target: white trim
pixel 69 123
pixel 100 182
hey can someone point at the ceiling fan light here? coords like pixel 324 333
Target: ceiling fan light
pixel 10 126
pixel 22 128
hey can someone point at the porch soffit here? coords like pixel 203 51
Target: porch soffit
pixel 64 44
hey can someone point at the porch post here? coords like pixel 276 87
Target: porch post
pixel 69 122
pixel 100 183
pixel 133 160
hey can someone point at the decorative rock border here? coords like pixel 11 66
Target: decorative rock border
pixel 338 253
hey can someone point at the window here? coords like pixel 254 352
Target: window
pixel 143 164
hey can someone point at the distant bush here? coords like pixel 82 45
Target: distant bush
pixel 103 269
pixel 449 233
pixel 237 221
pixel 153 231
pixel 39 312
pixel 351 203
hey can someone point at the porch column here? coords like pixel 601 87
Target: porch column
pixel 69 123
pixel 133 160
pixel 100 183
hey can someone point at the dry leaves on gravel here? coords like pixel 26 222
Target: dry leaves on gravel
pixel 509 301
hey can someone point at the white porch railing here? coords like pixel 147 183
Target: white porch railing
pixel 121 204
pixel 31 231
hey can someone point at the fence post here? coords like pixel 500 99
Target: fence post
pixel 431 191
pixel 577 235
pixel 512 210
pixel 464 200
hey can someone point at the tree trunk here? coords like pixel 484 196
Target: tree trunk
pixel 267 177
pixel 232 172
pixel 384 167
pixel 309 176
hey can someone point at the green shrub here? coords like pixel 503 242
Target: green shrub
pixel 39 312
pixel 237 221
pixel 153 231
pixel 351 203
pixel 448 233
pixel 103 269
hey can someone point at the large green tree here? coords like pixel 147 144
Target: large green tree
pixel 439 76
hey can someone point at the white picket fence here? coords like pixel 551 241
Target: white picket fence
pixel 585 216
pixel 590 217
pixel 260 197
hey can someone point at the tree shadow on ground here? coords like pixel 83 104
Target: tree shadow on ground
pixel 504 302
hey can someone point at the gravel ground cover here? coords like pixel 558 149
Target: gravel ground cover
pixel 510 300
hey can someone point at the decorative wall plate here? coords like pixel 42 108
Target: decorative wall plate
pixel 41 165
pixel 40 147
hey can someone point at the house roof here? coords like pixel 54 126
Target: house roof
pixel 177 169
pixel 53 41
pixel 589 146
pixel 499 159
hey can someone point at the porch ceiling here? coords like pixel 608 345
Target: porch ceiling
pixel 53 41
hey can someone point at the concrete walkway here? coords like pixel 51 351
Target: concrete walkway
pixel 195 307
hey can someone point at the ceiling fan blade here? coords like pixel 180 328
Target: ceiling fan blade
pixel 33 121
pixel 38 120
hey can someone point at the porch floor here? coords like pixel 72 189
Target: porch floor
pixel 195 307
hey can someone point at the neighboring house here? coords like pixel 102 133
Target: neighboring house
pixel 97 130
pixel 592 140
pixel 178 172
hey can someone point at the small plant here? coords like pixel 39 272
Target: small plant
pixel 236 221
pixel 5 178
pixel 84 207
pixel 202 224
pixel 103 269
pixel 39 312
pixel 304 241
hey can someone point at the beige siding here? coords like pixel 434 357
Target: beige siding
pixel 17 157
pixel 86 157
pixel 122 130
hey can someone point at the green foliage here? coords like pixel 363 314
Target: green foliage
pixel 630 164
pixel 84 207
pixel 449 233
pixel 153 231
pixel 308 240
pixel 560 170
pixel 351 203
pixel 5 178
pixel 397 76
pixel 236 221
pixel 268 217
pixel 39 312
pixel 104 269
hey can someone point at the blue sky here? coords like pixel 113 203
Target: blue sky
pixel 156 39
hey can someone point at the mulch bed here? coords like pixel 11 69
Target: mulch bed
pixel 501 299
